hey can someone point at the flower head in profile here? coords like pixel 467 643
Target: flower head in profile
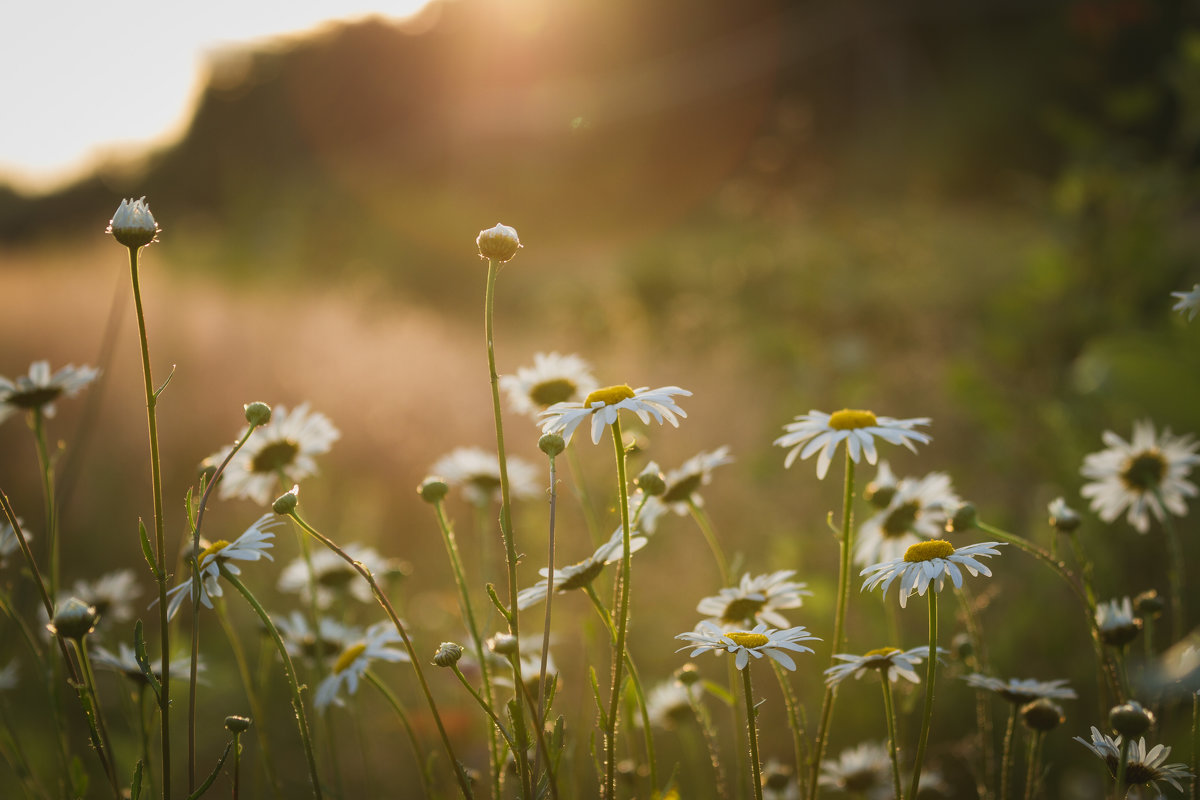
pixel 743 644
pixel 112 594
pixel 281 450
pixel 477 471
pixel 1117 623
pixel 299 639
pixel 1187 302
pixel 683 484
pixel 918 509
pixel 817 431
pixel 857 770
pixel 133 225
pixel 891 661
pixel 1063 518
pixel 124 662
pixel 354 660
pixel 757 598
pixel 1143 767
pixel 1146 475
pixel 553 378
pixel 1022 691
pixel 38 390
pixel 498 243
pixel 334 577
pixel 670 703
pixel 581 574
pixel 250 546
pixel 602 406
pixel 929 563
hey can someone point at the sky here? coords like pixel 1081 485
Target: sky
pixel 86 80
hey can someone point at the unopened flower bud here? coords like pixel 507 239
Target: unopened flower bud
pixel 962 647
pixel 1042 715
pixel 688 675
pixel 499 243
pixel 433 490
pixel 551 444
pixel 286 503
pixel 504 644
pixel 448 654
pixel 74 619
pixel 963 520
pixel 237 724
pixel 651 480
pixel 258 413
pixel 1148 605
pixel 1064 518
pixel 206 471
pixel 133 225
pixel 1130 719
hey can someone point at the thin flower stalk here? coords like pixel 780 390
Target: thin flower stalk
pixel 709 732
pixel 46 468
pixel 584 496
pixel 542 749
pixel 622 609
pixel 100 737
pixel 889 710
pixel 978 662
pixel 752 727
pixel 710 536
pixel 1122 764
pixel 927 717
pixel 1033 763
pixel 464 783
pixel 795 723
pixel 540 719
pixel 1175 578
pixel 1006 754
pixel 418 751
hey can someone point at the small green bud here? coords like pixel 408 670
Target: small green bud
pixel 688 675
pixel 499 243
pixel 504 644
pixel 963 520
pixel 1130 719
pixel 1042 715
pixel 236 724
pixel 133 225
pixel 962 647
pixel 206 471
pixel 1149 605
pixel 258 413
pixel 433 490
pixel 286 503
pixel 448 654
pixel 1064 518
pixel 651 480
pixel 74 619
pixel 551 444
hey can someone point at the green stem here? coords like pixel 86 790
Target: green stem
pixel 499 724
pixel 47 470
pixel 237 764
pixel 889 710
pixel 585 498
pixel 1006 755
pixel 100 738
pixel 930 674
pixel 610 734
pixel 799 744
pixel 289 669
pixel 978 662
pixel 710 536
pixel 164 697
pixel 752 727
pixel 540 719
pixel 394 702
pixel 1122 765
pixel 1031 770
pixel 710 740
pixel 1175 576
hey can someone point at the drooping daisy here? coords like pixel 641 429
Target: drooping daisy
pixel 355 659
pixel 1063 518
pixel 894 662
pixel 918 509
pixel 281 450
pixel 928 563
pixel 683 483
pixel 1117 623
pixel 125 663
pixel 39 389
pixel 477 471
pixel 1020 691
pixel 334 575
pixel 112 594
pixel 1143 767
pixel 250 546
pixel 9 544
pixel 670 703
pixel 603 405
pixel 331 638
pixel 818 431
pixel 858 770
pixel 756 598
pixel 1187 302
pixel 757 642
pixel 581 574
pixel 553 378
pixel 1147 475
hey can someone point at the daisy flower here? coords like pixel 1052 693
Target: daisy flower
pixel 879 491
pixel 580 575
pixel 818 431
pixel 1117 623
pixel 755 599
pixel 917 509
pixel 39 389
pixel 552 379
pixel 684 482
pixel 670 703
pixel 1147 475
pixel 331 638
pixel 112 594
pixel 285 447
pixel 334 576
pixel 250 546
pixel 897 664
pixel 125 662
pixel 477 471
pixel 928 563
pixel 757 642
pixel 603 405
pixel 1187 302
pixel 1020 691
pixel 354 660
pixel 1143 767
pixel 858 770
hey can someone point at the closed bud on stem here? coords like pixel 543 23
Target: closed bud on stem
pixel 74 619
pixel 1130 719
pixel 236 724
pixel 433 490
pixel 688 675
pixel 133 225
pixel 499 243
pixel 258 413
pixel 651 480
pixel 963 520
pixel 504 644
pixel 448 654
pixel 1042 715
pixel 551 444
pixel 286 503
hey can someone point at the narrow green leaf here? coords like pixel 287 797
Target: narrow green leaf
pixel 77 775
pixel 212 776
pixel 135 786
pixel 160 389
pixel 143 661
pixel 596 694
pixel 147 550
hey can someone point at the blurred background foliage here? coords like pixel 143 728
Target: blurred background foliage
pixel 974 212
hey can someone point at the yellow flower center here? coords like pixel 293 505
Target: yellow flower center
pixel 609 395
pixel 882 651
pixel 274 457
pixel 1145 471
pixel 901 520
pixel 849 419
pixel 928 551
pixel 745 639
pixel 347 657
pixel 555 390
pixel 213 549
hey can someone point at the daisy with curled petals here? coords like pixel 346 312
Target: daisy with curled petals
pixel 281 450
pixel 478 473
pixel 817 431
pixel 38 390
pixel 684 482
pixel 917 509
pixel 743 644
pixel 858 770
pixel 1146 475
pixel 756 598
pixel 929 563
pixel 891 662
pixel 553 378
pixel 353 662
pixel 601 406
pixel 1143 767
pixel 580 575
pixel 1021 692
pixel 250 546
pixel 1187 302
